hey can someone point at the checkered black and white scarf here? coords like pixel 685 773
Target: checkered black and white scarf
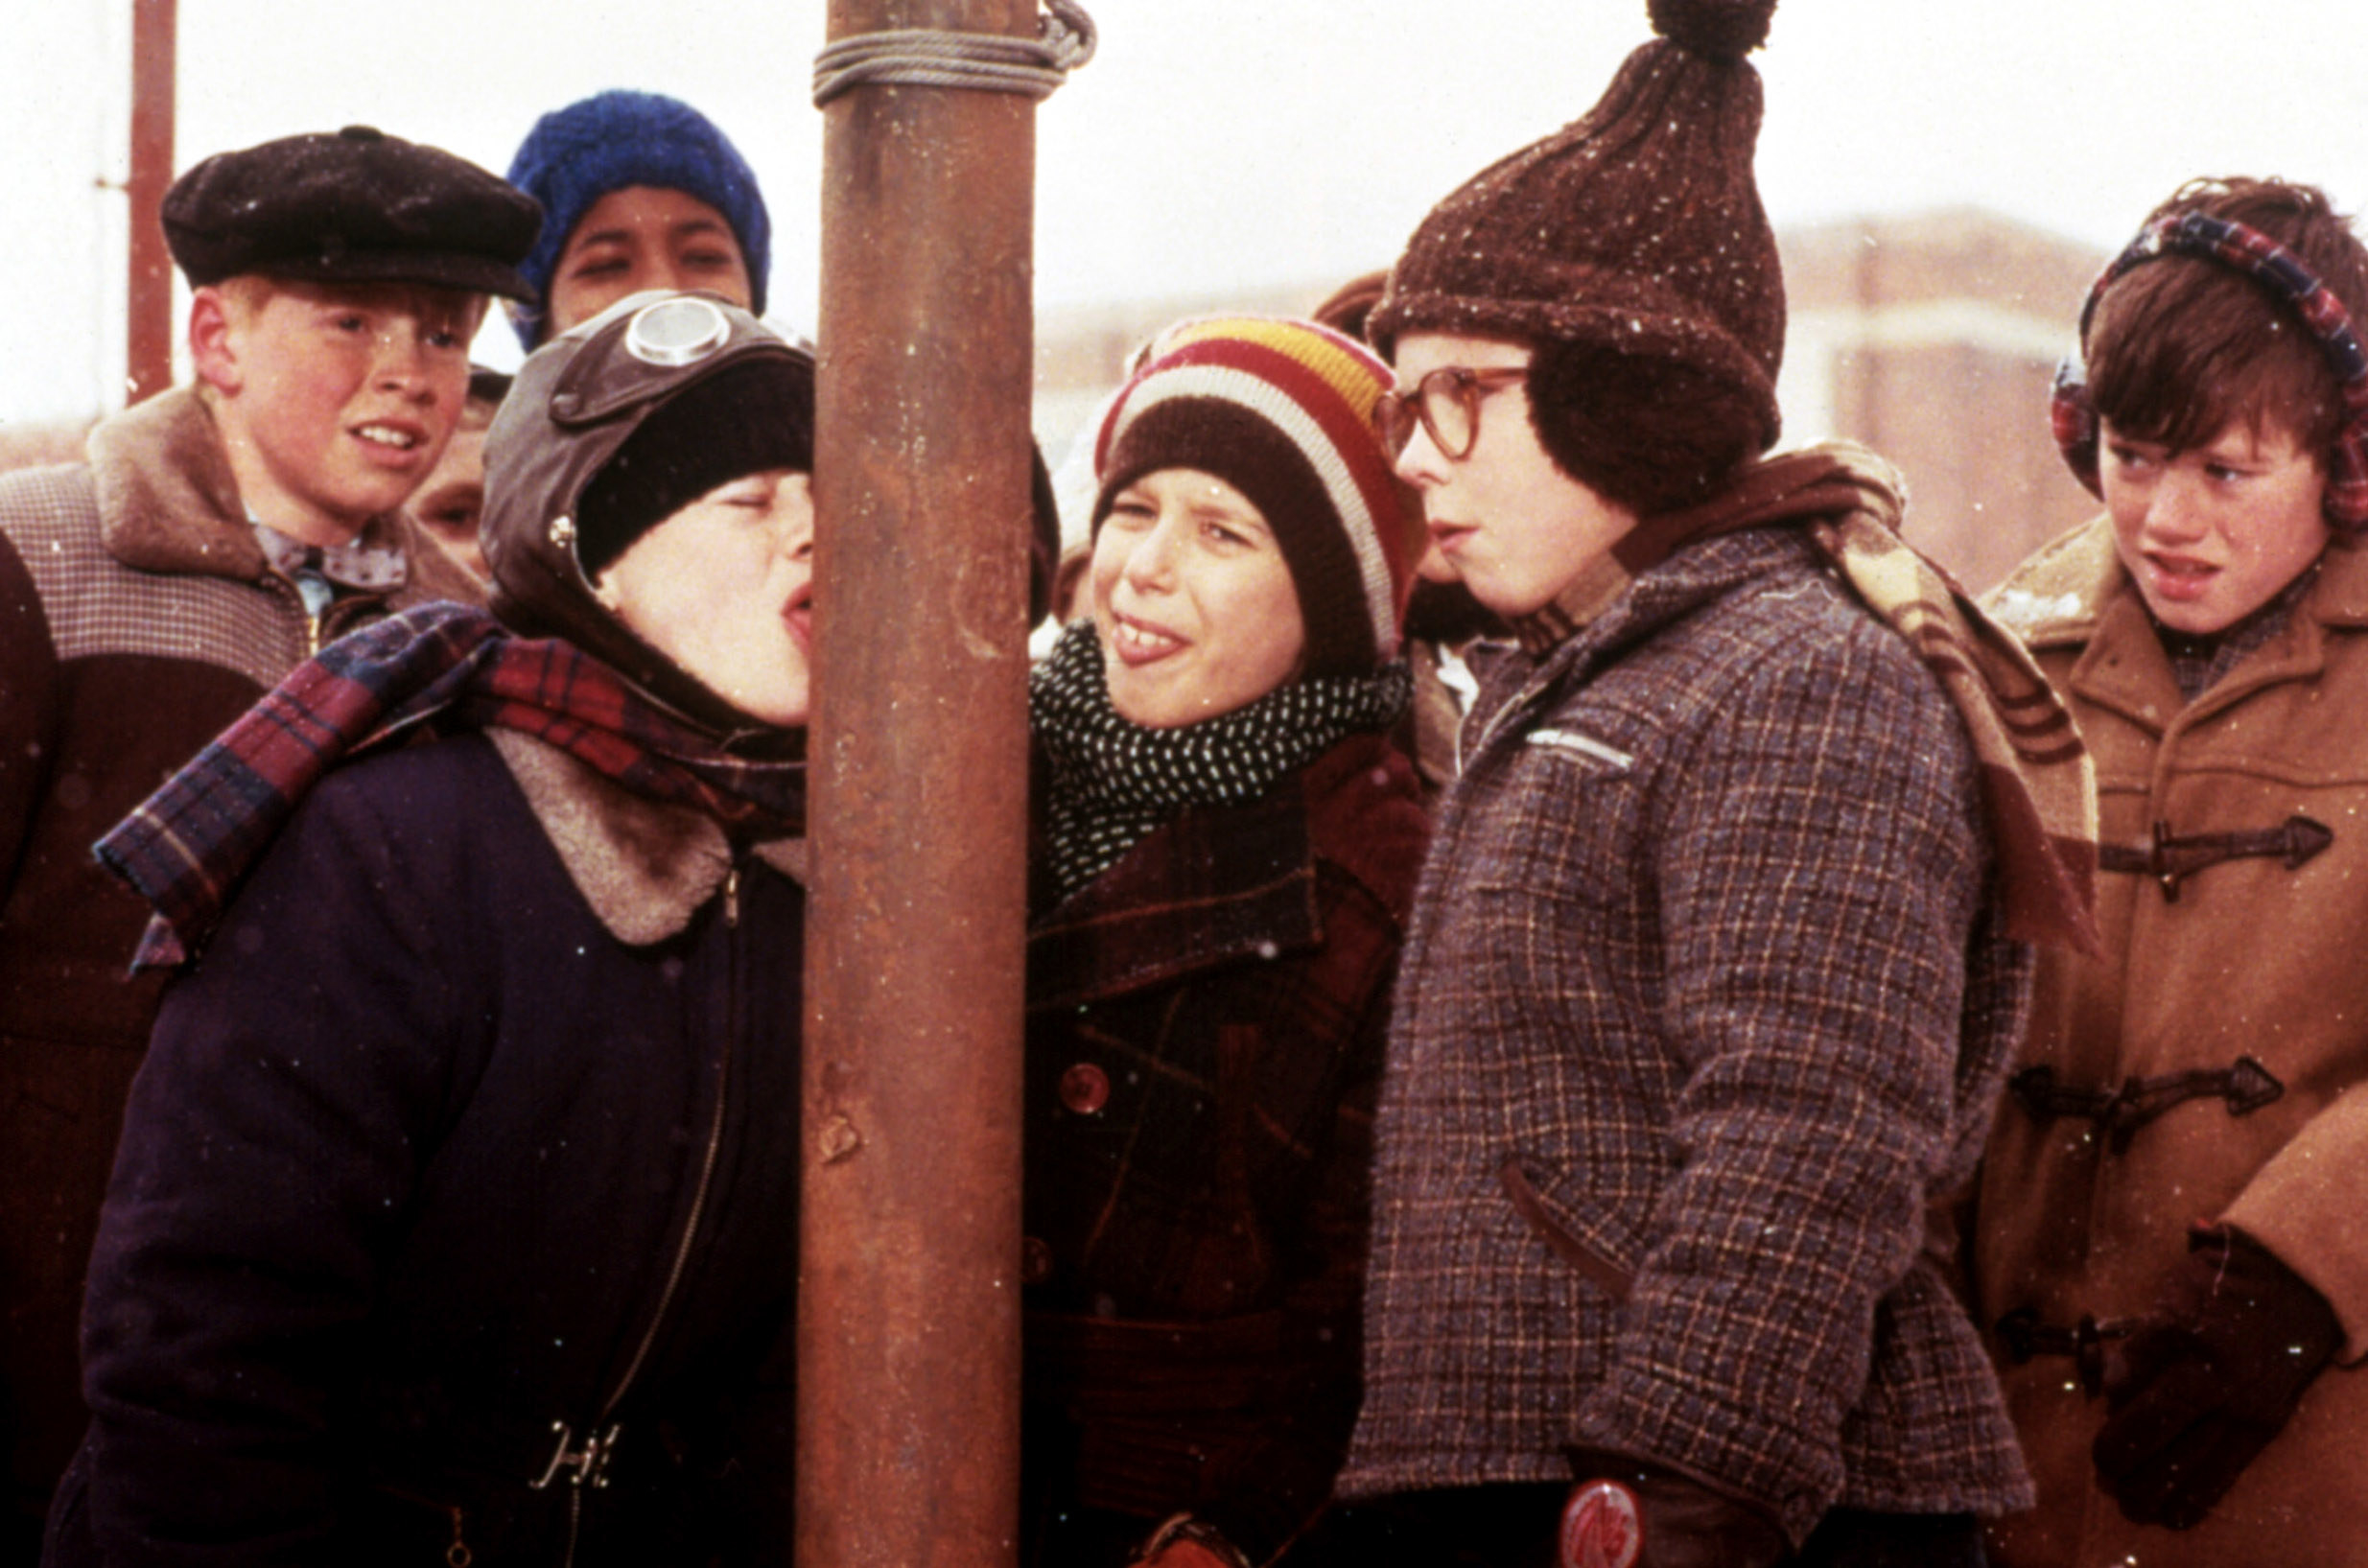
pixel 1113 782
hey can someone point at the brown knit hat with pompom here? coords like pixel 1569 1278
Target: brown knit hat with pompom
pixel 1631 251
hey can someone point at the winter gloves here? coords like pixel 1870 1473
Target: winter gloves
pixel 1676 1522
pixel 2206 1381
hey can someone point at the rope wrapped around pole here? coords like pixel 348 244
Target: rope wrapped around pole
pixel 979 61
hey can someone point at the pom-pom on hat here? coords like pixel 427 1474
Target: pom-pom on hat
pixel 1284 411
pixel 576 155
pixel 1635 230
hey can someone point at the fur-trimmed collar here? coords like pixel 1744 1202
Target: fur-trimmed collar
pixel 168 500
pixel 645 867
pixel 2061 595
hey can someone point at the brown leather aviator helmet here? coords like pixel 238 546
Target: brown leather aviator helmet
pixel 610 429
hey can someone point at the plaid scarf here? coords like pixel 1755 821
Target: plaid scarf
pixel 437 667
pixel 2038 786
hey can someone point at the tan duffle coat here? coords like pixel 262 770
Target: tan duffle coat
pixel 2212 1065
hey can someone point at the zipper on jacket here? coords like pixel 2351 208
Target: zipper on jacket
pixel 273 583
pixel 605 1432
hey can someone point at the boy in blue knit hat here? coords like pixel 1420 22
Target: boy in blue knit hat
pixel 639 191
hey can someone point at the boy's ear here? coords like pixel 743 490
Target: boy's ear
pixel 212 341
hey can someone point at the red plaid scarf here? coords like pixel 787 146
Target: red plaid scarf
pixel 437 667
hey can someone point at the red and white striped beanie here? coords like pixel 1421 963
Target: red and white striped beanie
pixel 1284 411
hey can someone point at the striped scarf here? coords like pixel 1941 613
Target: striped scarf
pixel 1113 782
pixel 434 668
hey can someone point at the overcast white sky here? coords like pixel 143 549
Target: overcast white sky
pixel 1214 144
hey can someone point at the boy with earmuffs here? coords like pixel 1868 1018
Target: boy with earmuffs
pixel 2170 1247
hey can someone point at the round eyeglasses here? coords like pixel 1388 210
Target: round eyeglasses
pixel 1446 403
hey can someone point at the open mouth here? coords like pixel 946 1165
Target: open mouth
pixel 1140 643
pixel 393 437
pixel 2180 576
pixel 799 613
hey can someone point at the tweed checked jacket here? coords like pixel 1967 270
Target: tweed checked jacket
pixel 1705 949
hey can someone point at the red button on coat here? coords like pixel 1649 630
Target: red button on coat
pixel 1085 1089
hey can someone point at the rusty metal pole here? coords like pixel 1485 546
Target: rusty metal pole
pixel 908 1354
pixel 148 297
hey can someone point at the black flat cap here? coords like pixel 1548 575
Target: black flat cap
pixel 359 206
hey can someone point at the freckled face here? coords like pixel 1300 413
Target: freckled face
pixel 1192 600
pixel 337 400
pixel 2212 533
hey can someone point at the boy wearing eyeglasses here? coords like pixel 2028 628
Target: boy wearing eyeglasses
pixel 1720 955
pixel 2170 1238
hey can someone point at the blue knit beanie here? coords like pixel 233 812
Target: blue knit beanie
pixel 576 155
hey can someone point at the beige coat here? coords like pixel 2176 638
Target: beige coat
pixel 2252 959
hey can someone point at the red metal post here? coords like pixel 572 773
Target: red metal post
pixel 147 299
pixel 908 1331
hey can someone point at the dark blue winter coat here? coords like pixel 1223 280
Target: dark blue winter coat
pixel 476 1121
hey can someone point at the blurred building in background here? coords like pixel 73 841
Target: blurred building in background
pixel 1931 338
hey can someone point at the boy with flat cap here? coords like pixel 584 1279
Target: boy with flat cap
pixel 216 534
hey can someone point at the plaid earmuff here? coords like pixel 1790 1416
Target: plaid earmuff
pixel 2074 418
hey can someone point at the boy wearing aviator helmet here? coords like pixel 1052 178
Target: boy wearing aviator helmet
pixel 2171 1250
pixel 451 1214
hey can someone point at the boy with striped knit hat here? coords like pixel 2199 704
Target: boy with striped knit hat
pixel 1226 843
